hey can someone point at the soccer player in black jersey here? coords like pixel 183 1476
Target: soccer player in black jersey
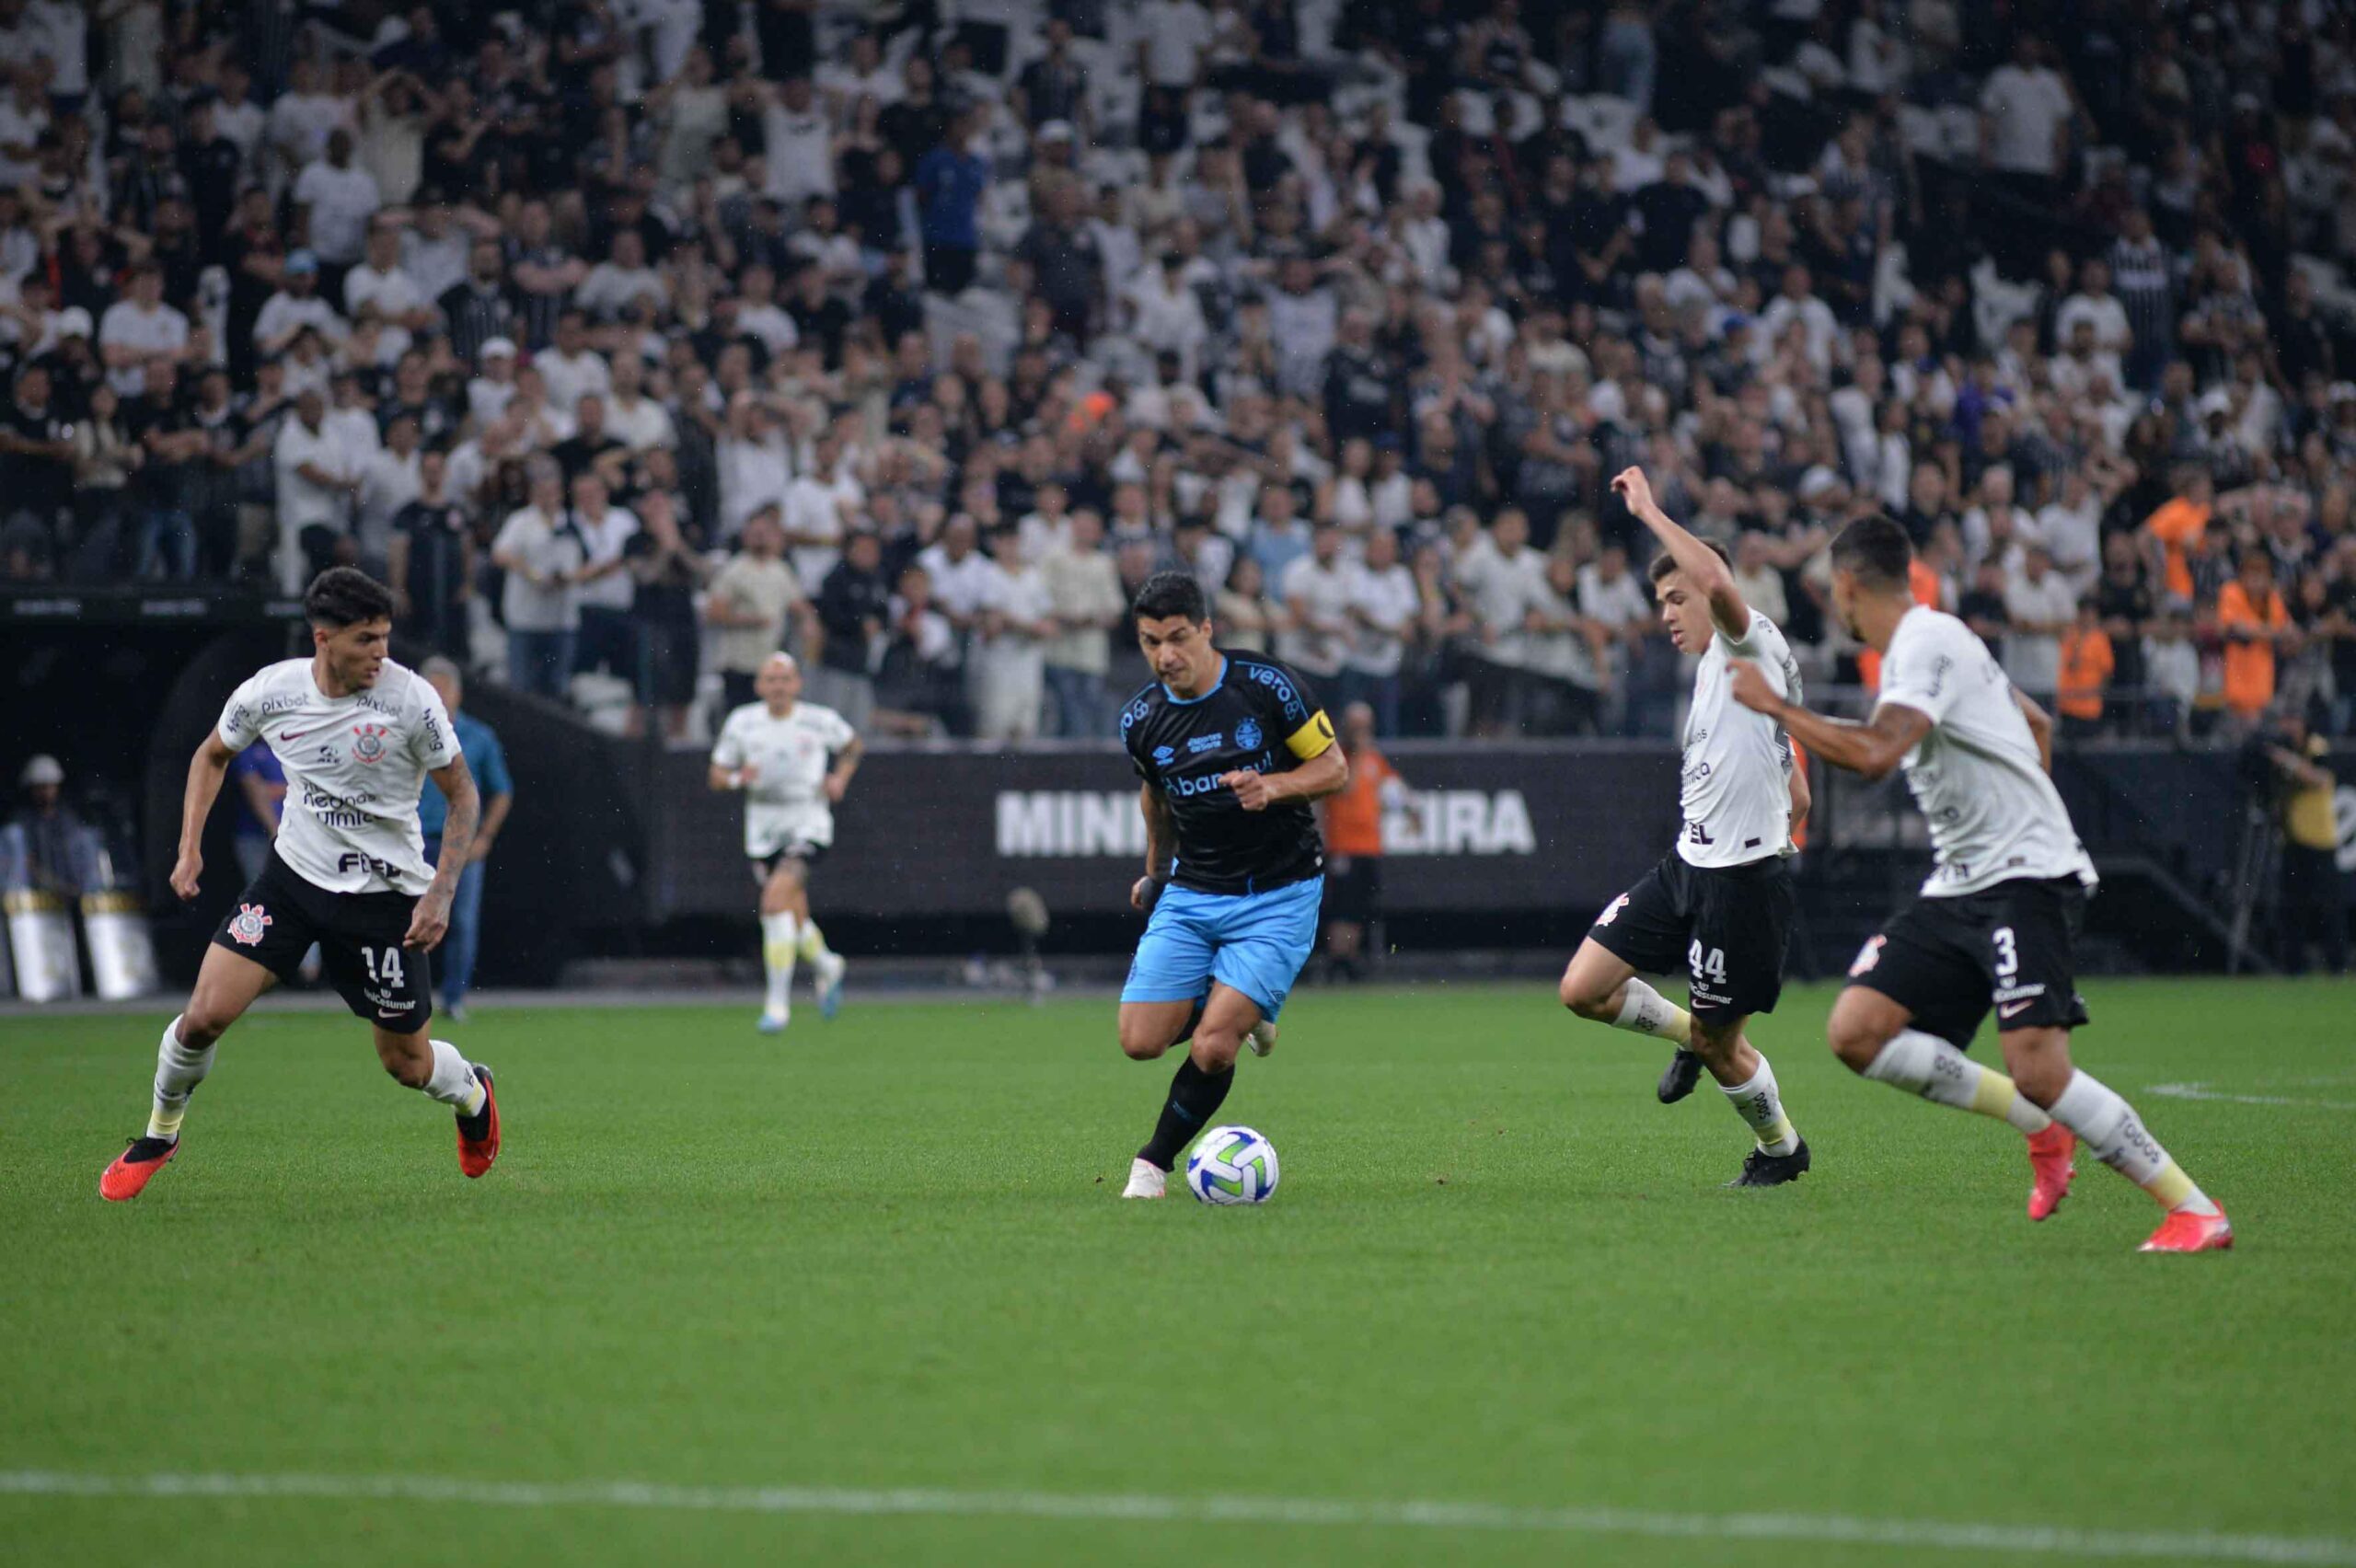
pixel 1232 748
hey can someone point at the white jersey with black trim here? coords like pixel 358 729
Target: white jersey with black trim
pixel 1994 815
pixel 355 767
pixel 786 803
pixel 1736 779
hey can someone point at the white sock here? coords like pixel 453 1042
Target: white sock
pixel 1761 1106
pixel 778 941
pixel 813 943
pixel 1645 1011
pixel 453 1082
pixel 2108 1125
pixel 178 1072
pixel 1931 1068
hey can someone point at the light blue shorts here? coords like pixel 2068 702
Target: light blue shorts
pixel 1256 942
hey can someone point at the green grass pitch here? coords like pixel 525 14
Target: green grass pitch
pixel 885 1252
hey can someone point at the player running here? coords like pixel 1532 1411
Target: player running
pixel 793 760
pixel 1721 903
pixel 1232 748
pixel 1997 919
pixel 357 735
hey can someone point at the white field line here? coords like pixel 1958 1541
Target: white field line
pixel 2202 1091
pixel 2035 1540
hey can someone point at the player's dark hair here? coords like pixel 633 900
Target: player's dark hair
pixel 1664 563
pixel 345 595
pixel 1876 549
pixel 1167 594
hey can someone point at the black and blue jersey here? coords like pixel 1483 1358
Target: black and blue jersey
pixel 1259 715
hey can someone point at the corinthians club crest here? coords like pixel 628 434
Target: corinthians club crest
pixel 368 742
pixel 247 926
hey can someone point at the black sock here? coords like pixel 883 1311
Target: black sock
pixel 1195 1098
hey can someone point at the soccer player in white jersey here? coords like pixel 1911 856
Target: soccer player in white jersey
pixel 792 759
pixel 357 735
pixel 1719 904
pixel 1998 919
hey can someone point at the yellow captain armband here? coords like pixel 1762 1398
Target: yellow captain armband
pixel 1313 739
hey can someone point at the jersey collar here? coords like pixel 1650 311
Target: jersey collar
pixel 1217 681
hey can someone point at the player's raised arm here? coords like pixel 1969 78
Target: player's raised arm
pixel 1703 565
pixel 1874 748
pixel 206 770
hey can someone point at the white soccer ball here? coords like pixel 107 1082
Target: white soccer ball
pixel 1232 1165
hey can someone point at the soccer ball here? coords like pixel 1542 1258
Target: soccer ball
pixel 1232 1165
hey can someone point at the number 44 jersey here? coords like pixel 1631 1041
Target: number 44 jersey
pixel 354 766
pixel 1735 783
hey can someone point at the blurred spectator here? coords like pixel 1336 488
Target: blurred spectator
pixel 1353 826
pixel 429 560
pixel 2313 911
pixel 49 834
pixel 1380 604
pixel 542 556
pixel 487 760
pixel 852 605
pixel 2086 666
pixel 748 604
pixel 1014 622
pixel 668 571
pixel 259 792
pixel 1084 597
pixel 2255 623
pixel 2040 610
pixel 606 590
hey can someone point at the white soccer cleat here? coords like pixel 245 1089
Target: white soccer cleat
pixel 1147 1180
pixel 1263 1038
pixel 774 1022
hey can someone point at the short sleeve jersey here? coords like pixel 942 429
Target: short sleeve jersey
pixel 1994 815
pixel 1259 715
pixel 1735 779
pixel 355 767
pixel 786 803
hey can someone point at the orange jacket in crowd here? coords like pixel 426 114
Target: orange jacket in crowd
pixel 2250 666
pixel 2179 525
pixel 2087 665
pixel 1925 584
pixel 1353 817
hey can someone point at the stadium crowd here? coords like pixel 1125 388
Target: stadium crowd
pixel 641 337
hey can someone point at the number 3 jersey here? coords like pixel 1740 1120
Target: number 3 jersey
pixel 355 767
pixel 786 803
pixel 1736 779
pixel 1994 815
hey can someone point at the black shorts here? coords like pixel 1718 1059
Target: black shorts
pixel 765 866
pixel 1725 926
pixel 1947 960
pixel 1356 895
pixel 279 915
